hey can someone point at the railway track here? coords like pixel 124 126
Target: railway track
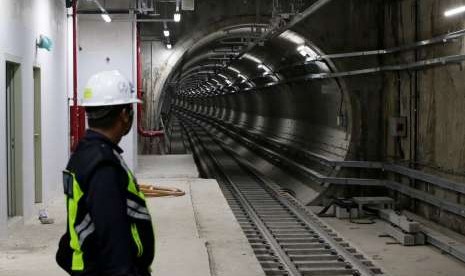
pixel 287 238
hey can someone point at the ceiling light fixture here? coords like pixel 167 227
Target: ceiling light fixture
pixel 242 77
pixel 265 68
pixel 177 14
pixel 253 58
pixel 166 31
pixel 177 17
pixel 106 17
pixel 234 69
pixel 307 52
pixel 454 11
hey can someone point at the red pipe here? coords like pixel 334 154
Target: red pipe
pixel 77 112
pixel 143 132
pixel 74 111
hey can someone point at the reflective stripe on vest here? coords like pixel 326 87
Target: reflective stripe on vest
pixel 77 263
pixel 136 210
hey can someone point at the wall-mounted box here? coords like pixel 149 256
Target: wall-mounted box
pixel 188 5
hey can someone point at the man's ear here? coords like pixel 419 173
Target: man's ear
pixel 125 115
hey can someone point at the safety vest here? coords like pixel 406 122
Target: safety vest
pixel 80 225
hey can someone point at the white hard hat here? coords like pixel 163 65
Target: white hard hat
pixel 108 88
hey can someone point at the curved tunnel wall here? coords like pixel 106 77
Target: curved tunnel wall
pixel 303 114
pixel 431 99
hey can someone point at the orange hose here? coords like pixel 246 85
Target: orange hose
pixel 153 191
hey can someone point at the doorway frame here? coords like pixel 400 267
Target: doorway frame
pixel 18 134
pixel 37 135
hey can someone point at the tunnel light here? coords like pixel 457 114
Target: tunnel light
pixel 265 68
pixel 166 32
pixel 253 58
pixel 454 11
pixel 303 50
pixel 104 13
pixel 242 77
pixel 106 17
pixel 307 52
pixel 226 79
pixel 177 16
pixel 261 66
pixel 234 69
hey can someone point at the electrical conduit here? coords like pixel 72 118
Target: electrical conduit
pixel 143 132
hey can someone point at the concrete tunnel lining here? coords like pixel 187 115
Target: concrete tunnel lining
pixel 282 110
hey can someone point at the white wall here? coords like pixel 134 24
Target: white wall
pixel 21 22
pixel 99 40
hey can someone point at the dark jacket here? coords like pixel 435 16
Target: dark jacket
pixel 103 178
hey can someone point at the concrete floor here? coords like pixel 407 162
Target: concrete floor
pixel 193 238
pixel 197 234
pixel 395 259
pixel 167 166
pixel 30 248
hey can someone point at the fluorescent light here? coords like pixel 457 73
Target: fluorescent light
pixel 252 58
pixel 307 52
pixel 310 59
pixel 169 46
pixel 304 50
pixel 166 33
pixel 106 17
pixel 455 11
pixel 234 69
pixel 265 68
pixel 177 17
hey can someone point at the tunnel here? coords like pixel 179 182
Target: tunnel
pixel 232 137
pixel 273 85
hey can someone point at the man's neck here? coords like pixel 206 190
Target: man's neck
pixel 111 135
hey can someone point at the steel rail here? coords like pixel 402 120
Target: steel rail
pixel 281 254
pixel 454 208
pixel 268 236
pixel 352 265
pixel 387 167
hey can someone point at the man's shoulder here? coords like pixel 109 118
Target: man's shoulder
pixel 91 154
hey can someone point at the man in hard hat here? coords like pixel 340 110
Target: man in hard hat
pixel 109 229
